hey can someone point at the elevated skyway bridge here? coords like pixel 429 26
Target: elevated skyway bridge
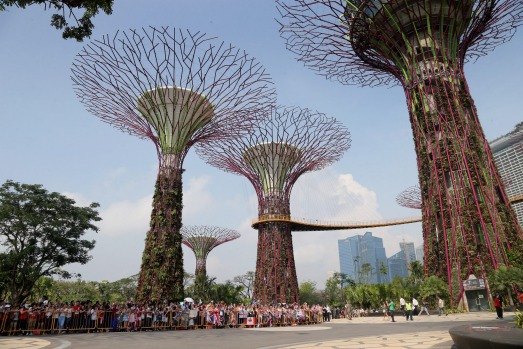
pixel 303 224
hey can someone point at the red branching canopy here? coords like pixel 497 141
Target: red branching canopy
pixel 423 46
pixel 329 35
pixel 288 143
pixel 112 74
pixel 410 197
pixel 177 88
pixel 202 239
pixel 272 156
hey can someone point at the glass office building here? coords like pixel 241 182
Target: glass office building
pixel 363 259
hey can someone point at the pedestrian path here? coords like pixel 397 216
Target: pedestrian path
pixel 420 340
pixel 23 343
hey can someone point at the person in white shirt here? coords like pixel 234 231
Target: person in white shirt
pixel 441 307
pixel 415 306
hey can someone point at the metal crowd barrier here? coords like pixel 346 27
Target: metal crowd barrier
pixel 52 322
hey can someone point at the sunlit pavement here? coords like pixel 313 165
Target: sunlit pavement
pixel 19 343
pixel 366 332
pixel 425 339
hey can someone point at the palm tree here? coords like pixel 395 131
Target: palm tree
pixel 505 278
pixel 383 270
pixel 416 271
pixel 227 292
pixel 202 287
pixel 343 279
pixel 366 272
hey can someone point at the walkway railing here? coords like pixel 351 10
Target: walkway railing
pixel 298 224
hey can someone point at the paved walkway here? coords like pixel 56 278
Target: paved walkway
pixel 418 340
pixel 391 335
pixel 22 343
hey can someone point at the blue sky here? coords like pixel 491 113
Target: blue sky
pixel 47 137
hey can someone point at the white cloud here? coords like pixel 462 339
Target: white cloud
pixel 196 196
pixel 126 217
pixel 329 196
pixel 326 195
pixel 80 200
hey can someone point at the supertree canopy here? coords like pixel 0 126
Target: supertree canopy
pixel 469 227
pixel 410 197
pixel 202 240
pixel 272 156
pixel 176 88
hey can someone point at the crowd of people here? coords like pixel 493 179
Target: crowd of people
pixel 45 317
pixel 56 318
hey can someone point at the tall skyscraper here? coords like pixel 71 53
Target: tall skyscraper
pixel 508 155
pixel 420 253
pixel 399 263
pixel 363 259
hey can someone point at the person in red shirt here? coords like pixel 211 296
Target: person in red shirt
pixel 498 304
pixel 76 315
pixel 23 319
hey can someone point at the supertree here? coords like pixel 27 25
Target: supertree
pixel 468 224
pixel 272 156
pixel 410 197
pixel 177 88
pixel 202 240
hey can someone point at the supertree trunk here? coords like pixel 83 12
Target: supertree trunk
pixel 275 279
pixel 287 143
pixel 177 88
pixel 161 273
pixel 468 224
pixel 201 266
pixel 202 240
pixel 466 213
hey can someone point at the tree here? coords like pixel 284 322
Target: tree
pixel 398 287
pixel 344 280
pixel 309 294
pixel 41 233
pixel 120 290
pixel 84 26
pixel 247 283
pixel 332 291
pixel 416 271
pixel 434 286
pixel 227 293
pixel 366 272
pixel 383 270
pixel 504 278
pixel 202 287
pixel 80 290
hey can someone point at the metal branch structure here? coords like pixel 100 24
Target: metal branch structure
pixel 469 226
pixel 410 197
pixel 202 240
pixel 177 88
pixel 272 156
